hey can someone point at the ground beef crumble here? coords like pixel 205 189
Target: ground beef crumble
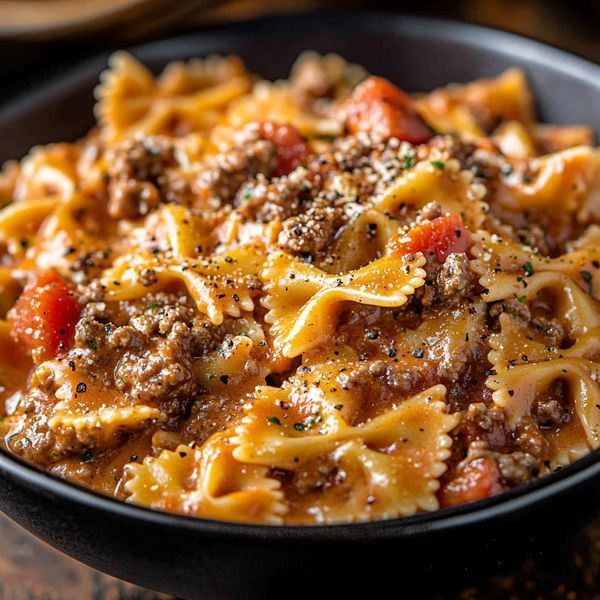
pixel 310 232
pixel 454 280
pixel 153 353
pixel 516 467
pixel 513 307
pixel 136 175
pixel 219 184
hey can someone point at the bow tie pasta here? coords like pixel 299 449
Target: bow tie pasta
pixel 310 301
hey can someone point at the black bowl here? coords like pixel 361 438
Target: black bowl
pixel 425 553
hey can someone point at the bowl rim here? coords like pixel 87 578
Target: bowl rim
pixel 584 470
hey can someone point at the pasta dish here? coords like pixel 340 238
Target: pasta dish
pixel 309 301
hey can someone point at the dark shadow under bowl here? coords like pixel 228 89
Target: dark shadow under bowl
pixel 428 553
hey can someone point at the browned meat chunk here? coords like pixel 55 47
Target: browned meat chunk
pixel 552 330
pixel 454 279
pixel 232 168
pixel 136 169
pixel 516 468
pixel 513 307
pixel 152 353
pixel 401 381
pixel 529 437
pixel 314 77
pixel 446 283
pixel 276 200
pixel 485 417
pixel 309 232
pixel 550 413
pixel 130 199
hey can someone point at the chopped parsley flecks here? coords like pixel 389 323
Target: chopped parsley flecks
pixel 589 279
pixel 87 456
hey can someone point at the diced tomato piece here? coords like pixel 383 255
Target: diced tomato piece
pixel 44 316
pixel 379 107
pixel 479 479
pixel 438 237
pixel 292 151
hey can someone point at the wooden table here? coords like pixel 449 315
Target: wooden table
pixel 32 570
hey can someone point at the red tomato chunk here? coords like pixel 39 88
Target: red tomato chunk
pixel 291 148
pixel 43 318
pixel 379 107
pixel 479 479
pixel 438 237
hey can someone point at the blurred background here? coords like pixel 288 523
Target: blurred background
pixel 50 34
pixel 41 37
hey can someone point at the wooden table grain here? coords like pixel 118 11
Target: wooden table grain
pixel 32 570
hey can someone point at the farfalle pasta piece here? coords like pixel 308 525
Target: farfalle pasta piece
pixel 185 234
pixel 93 413
pixel 454 190
pixel 514 140
pixel 381 485
pixel 302 299
pixel 576 307
pixel 186 98
pixel 568 180
pixel 78 223
pixel 231 364
pixel 514 345
pixel 400 454
pixel 181 77
pixel 207 482
pixel 21 220
pixel 474 108
pixel 513 271
pixel 179 231
pixel 445 342
pixel 219 285
pixel 566 449
pixel 279 431
pixel 581 264
pixel 325 75
pixel 276 101
pixel 361 241
pixel 517 388
pixel 47 171
pixel 104 423
pixel 553 138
